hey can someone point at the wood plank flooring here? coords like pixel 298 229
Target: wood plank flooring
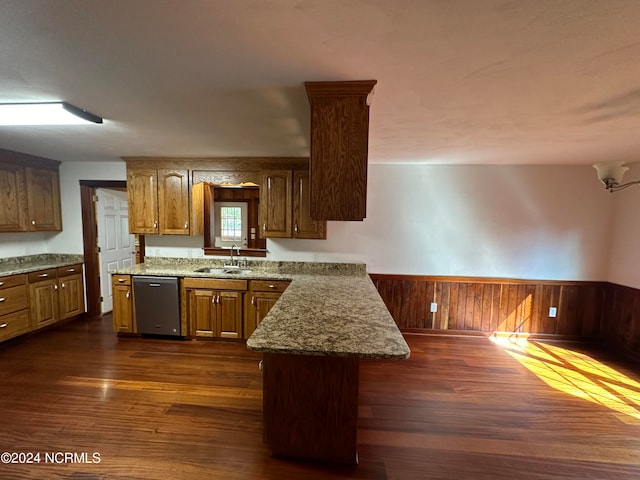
pixel 459 408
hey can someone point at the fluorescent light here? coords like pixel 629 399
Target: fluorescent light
pixel 49 113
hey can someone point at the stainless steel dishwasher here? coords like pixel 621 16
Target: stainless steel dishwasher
pixel 157 303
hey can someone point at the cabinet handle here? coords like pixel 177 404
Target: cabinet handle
pixel 63 285
pixel 260 365
pixel 213 300
pixel 71 270
pixel 253 300
pixel 1 284
pixel 264 227
pixel 55 287
pixel 2 299
pixel 121 280
pixel 272 285
pixel 43 275
pixel 4 325
pixel 33 222
pixel 128 295
pixel 155 224
pixel 218 299
pixel 186 225
pixel 295 228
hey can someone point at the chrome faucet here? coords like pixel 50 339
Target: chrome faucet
pixel 234 263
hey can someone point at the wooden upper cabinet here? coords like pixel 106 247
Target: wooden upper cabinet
pixel 162 201
pixel 275 204
pixel 303 225
pixel 173 202
pixel 339 148
pixel 43 199
pixel 142 190
pixel 13 199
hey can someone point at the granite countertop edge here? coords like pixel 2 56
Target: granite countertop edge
pixel 28 264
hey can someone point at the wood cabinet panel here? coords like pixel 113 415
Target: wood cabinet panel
pixel 173 202
pixel 70 296
pixel 488 305
pixel 13 299
pixel 12 281
pixel 142 191
pixel 339 148
pixel 275 204
pixel 229 315
pixel 14 324
pixel 69 270
pixel 123 311
pixel 43 303
pixel 215 313
pixel 303 225
pixel 43 199
pixel 257 307
pixel 13 199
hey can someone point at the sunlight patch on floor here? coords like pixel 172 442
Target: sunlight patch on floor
pixel 576 374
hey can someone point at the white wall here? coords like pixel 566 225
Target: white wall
pixel 532 222
pixel 19 244
pixel 624 258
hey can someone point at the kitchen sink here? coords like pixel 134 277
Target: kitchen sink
pixel 233 271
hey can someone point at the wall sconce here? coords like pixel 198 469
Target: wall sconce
pixel 611 173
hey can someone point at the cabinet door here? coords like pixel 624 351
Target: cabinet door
pixel 202 314
pixel 13 199
pixel 229 313
pixel 71 296
pixel 123 309
pixel 303 225
pixel 173 202
pixel 257 309
pixel 275 204
pixel 142 189
pixel 43 303
pixel 43 199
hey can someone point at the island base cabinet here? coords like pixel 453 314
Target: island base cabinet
pixel 310 407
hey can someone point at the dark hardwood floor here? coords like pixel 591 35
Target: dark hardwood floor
pixel 459 408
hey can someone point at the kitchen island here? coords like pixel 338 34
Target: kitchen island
pixel 312 341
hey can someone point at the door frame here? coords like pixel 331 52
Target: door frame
pixel 90 239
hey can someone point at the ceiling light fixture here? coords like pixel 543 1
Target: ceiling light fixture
pixel 611 173
pixel 47 113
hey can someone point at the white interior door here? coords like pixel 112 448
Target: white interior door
pixel 116 247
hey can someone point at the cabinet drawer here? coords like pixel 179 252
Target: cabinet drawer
pixel 14 324
pixel 269 285
pixel 215 283
pixel 42 275
pixel 12 281
pixel 121 279
pixel 13 299
pixel 69 270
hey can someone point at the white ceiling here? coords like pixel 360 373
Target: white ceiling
pixel 459 81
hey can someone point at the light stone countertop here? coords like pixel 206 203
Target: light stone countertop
pixel 33 263
pixel 328 309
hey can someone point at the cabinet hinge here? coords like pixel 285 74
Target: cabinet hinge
pixel 102 299
pixel 94 198
pixel 98 250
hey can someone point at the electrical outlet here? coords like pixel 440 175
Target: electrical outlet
pixel 553 312
pixel 434 307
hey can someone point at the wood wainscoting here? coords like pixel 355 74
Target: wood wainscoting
pixel 487 305
pixel 621 320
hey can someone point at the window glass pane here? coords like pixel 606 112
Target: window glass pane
pixel 230 224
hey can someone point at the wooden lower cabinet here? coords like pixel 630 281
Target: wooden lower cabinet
pixel 215 313
pixel 263 294
pixel 14 306
pixel 55 294
pixel 123 311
